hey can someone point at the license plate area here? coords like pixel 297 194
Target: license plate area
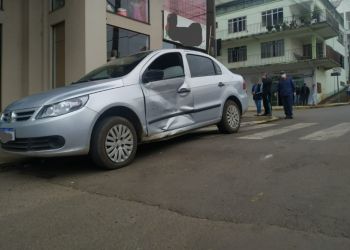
pixel 7 135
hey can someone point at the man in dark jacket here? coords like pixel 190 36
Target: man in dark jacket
pixel 266 95
pixel 286 90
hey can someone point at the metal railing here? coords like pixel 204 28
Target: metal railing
pixel 308 19
pixel 289 56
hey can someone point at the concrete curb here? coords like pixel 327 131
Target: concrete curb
pixel 251 123
pixel 307 107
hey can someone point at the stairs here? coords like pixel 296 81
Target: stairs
pixel 341 97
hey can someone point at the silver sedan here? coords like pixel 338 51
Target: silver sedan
pixel 144 97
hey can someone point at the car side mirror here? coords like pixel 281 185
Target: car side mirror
pixel 153 75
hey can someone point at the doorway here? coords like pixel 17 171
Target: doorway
pixel 58 55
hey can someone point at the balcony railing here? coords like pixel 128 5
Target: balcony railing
pixel 287 24
pixel 291 56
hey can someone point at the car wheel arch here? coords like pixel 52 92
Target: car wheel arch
pixel 237 101
pixel 124 112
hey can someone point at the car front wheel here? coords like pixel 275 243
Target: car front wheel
pixel 231 118
pixel 114 143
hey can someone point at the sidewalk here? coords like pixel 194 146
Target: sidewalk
pixel 307 107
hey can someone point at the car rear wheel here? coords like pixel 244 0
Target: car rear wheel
pixel 231 118
pixel 114 143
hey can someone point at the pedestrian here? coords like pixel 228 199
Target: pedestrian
pixel 257 96
pixel 266 94
pixel 314 94
pixel 348 93
pixel 304 94
pixel 286 90
pixel 297 95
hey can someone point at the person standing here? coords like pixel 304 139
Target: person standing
pixel 257 96
pixel 307 96
pixel 297 96
pixel 348 92
pixel 286 90
pixel 266 94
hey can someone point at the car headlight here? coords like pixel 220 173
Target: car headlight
pixel 63 107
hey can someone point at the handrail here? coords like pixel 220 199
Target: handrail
pixel 307 19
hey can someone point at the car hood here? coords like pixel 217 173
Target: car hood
pixel 64 93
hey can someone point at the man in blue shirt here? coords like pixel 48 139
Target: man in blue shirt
pixel 286 90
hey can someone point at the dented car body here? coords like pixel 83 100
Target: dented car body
pixel 154 94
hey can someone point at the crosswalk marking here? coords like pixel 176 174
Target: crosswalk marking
pixel 329 133
pixel 265 125
pixel 274 132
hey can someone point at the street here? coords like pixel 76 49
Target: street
pixel 279 185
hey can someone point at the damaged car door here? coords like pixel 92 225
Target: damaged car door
pixel 168 97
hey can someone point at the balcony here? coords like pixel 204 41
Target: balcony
pixel 321 23
pixel 294 59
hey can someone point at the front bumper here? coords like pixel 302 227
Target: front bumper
pixel 74 129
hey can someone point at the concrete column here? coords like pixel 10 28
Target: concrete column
pixel 314 46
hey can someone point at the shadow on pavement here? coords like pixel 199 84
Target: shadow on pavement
pixel 50 168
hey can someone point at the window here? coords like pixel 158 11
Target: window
pixel 217 69
pixel 171 64
pixel 200 66
pixel 56 4
pixel 348 19
pixel 134 9
pixel 117 68
pixel 272 17
pixel 341 38
pixel 237 54
pixel 121 42
pixel 272 49
pixel 237 24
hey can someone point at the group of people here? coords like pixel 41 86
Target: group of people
pixel 287 92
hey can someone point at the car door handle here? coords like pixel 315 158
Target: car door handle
pixel 221 84
pixel 183 90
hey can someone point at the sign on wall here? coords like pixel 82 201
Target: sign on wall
pixel 185 22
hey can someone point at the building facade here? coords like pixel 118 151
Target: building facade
pixel 301 37
pixel 47 44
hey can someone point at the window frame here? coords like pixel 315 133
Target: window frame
pixel 165 54
pixel 52 9
pixel 272 49
pixel 237 24
pixel 148 40
pixel 272 17
pixel 131 18
pixel 239 57
pixel 202 56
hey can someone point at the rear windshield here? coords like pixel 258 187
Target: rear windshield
pixel 116 68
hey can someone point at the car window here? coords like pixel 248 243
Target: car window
pixel 116 68
pixel 200 66
pixel 171 64
pixel 217 69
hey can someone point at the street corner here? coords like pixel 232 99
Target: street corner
pixel 251 119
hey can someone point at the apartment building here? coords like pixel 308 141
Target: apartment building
pixel 301 37
pixel 47 44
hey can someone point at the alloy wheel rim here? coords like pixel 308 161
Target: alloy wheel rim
pixel 233 116
pixel 119 143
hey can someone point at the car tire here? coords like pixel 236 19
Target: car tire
pixel 113 143
pixel 231 118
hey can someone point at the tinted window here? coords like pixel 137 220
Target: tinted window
pixel 200 66
pixel 171 64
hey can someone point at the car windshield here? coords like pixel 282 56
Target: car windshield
pixel 116 68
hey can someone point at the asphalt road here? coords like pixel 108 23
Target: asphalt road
pixel 283 185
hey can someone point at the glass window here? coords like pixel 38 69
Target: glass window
pixel 237 24
pixel 134 9
pixel 272 17
pixel 272 49
pixel 217 69
pixel 171 64
pixel 237 54
pixel 200 66
pixel 57 4
pixel 116 68
pixel 122 42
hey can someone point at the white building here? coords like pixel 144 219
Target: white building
pixel 302 37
